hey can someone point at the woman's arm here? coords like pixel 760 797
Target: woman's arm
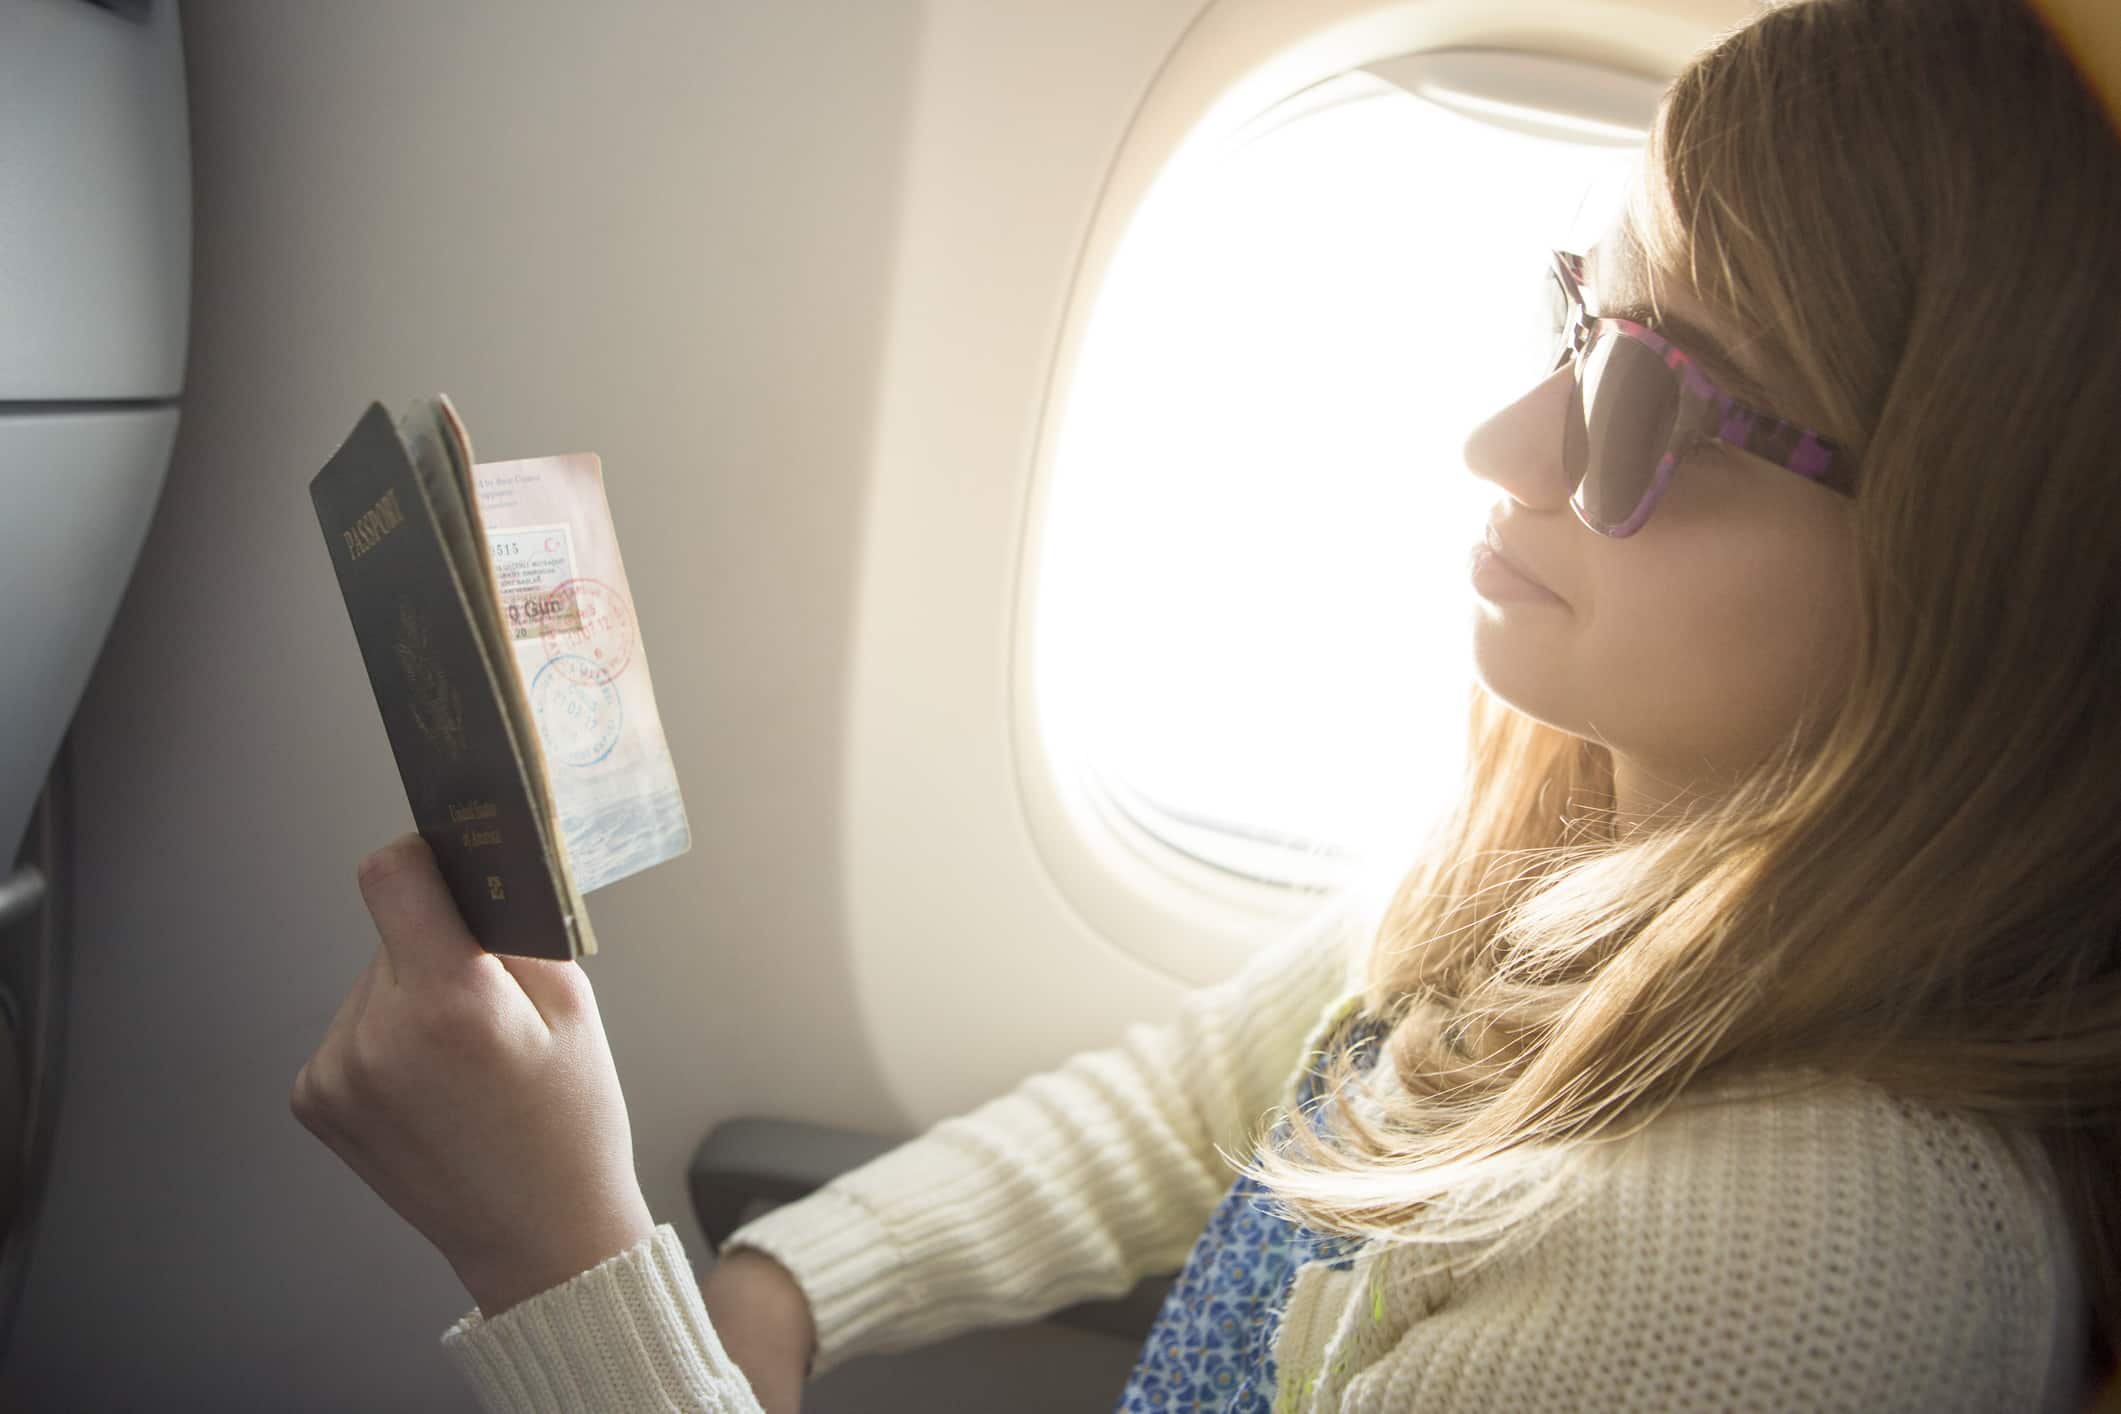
pixel 628 1336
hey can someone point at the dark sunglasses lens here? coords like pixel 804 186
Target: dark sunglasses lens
pixel 1618 426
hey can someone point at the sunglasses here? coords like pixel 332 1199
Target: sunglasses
pixel 1638 406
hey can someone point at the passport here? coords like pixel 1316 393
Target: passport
pixel 504 649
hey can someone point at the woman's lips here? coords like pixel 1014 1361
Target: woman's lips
pixel 1499 575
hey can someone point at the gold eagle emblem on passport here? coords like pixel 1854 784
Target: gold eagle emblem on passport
pixel 437 708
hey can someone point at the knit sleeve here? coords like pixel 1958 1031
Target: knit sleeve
pixel 1072 1186
pixel 630 1334
pixel 1845 1251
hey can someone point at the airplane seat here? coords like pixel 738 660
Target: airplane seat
pixel 95 276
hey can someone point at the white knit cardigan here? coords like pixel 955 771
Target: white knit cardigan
pixel 1835 1250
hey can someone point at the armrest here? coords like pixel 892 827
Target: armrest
pixel 747 1166
pixel 747 1162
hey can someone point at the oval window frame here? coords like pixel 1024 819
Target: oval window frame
pixel 1175 909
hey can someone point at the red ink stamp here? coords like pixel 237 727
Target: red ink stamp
pixel 592 641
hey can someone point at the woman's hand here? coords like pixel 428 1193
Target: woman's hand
pixel 474 1092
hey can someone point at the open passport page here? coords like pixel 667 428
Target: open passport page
pixel 504 650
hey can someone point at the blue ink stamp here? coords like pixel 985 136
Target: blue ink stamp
pixel 577 711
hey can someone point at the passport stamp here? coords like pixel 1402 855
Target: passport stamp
pixel 579 715
pixel 591 640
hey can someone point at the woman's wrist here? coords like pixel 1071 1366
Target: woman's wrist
pixel 756 1304
pixel 515 1277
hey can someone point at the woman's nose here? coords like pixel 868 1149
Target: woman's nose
pixel 1519 447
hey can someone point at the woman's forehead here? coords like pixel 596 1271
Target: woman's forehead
pixel 1620 277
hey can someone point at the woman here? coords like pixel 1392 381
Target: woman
pixel 1754 1022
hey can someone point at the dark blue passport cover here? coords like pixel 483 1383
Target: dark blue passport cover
pixel 469 779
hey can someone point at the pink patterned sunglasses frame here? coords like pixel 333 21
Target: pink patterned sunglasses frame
pixel 1704 413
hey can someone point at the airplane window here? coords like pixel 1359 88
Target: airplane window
pixel 1253 608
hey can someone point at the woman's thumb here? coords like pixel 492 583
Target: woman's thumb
pixel 422 931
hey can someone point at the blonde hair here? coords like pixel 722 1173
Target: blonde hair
pixel 1912 208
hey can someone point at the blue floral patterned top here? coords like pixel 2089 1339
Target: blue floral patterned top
pixel 1212 1347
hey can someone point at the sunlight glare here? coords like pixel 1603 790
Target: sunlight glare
pixel 1254 605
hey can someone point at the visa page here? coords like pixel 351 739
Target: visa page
pixel 569 615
